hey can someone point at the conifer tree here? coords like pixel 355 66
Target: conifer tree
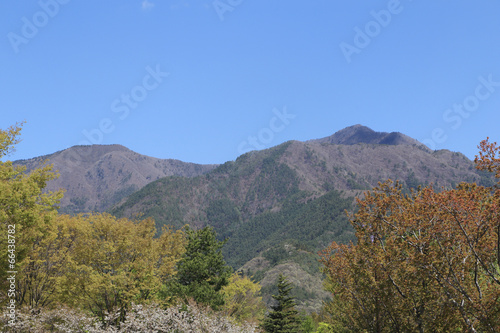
pixel 284 317
pixel 202 271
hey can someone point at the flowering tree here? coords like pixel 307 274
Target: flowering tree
pixel 141 318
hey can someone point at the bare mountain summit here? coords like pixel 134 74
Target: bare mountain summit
pixel 99 176
pixel 361 134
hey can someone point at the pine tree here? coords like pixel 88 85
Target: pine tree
pixel 284 317
pixel 202 271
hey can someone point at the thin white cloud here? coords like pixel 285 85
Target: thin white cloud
pixel 146 5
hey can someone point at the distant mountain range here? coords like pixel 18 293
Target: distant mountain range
pixel 277 206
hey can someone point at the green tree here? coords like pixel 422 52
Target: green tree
pixel 26 211
pixel 284 317
pixel 242 299
pixel 202 272
pixel 307 324
pixel 326 328
pixel 114 262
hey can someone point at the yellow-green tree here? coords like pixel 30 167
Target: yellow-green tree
pixel 46 263
pixel 242 299
pixel 114 262
pixel 26 210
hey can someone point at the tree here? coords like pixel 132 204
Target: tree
pixel 424 261
pixel 114 262
pixel 284 317
pixel 45 264
pixel 27 211
pixel 9 138
pixel 202 272
pixel 242 299
pixel 307 324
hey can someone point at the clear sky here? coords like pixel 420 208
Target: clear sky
pixel 204 81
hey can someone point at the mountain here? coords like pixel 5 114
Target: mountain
pixel 281 205
pixel 277 207
pixel 98 176
pixel 263 181
pixel 361 134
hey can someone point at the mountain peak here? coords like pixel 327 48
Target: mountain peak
pixel 361 134
pixel 93 153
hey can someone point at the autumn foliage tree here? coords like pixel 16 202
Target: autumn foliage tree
pixel 424 261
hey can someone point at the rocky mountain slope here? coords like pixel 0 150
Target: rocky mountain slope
pixel 98 176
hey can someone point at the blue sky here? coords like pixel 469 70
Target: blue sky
pixel 204 81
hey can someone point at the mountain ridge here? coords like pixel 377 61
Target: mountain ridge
pixel 96 177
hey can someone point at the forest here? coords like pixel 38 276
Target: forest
pixel 423 260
